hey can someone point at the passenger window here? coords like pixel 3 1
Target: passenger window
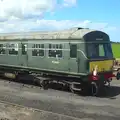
pixel 38 50
pixel 13 49
pixel 24 48
pixel 55 50
pixel 101 50
pixel 73 50
pixel 2 48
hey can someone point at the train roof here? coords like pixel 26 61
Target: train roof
pixel 73 33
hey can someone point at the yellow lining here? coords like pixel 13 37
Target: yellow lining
pixel 105 65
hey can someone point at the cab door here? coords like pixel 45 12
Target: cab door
pixel 24 54
pixel 73 58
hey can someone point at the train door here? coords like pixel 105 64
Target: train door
pixel 24 54
pixel 73 58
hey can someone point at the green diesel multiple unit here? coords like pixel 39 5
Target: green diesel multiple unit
pixel 76 53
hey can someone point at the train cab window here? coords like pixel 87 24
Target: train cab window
pixel 55 50
pixel 38 50
pixel 2 48
pixel 73 50
pixel 13 49
pixel 24 48
pixel 101 50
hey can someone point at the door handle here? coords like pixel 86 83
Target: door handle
pixel 78 60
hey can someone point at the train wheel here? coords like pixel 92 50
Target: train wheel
pixel 94 89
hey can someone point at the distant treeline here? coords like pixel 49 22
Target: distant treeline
pixel 115 42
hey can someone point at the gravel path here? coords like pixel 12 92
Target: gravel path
pixel 57 105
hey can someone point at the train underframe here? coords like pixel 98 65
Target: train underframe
pixel 76 84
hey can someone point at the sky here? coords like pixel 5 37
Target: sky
pixel 37 15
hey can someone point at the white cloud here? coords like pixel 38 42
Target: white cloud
pixel 27 15
pixel 111 28
pixel 24 15
pixel 24 8
pixel 33 24
pixel 70 2
pixel 29 8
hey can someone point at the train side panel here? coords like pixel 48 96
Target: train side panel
pixel 3 53
pixel 23 53
pixel 56 57
pixel 36 55
pixel 12 53
pixel 59 56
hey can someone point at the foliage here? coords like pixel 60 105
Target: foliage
pixel 116 49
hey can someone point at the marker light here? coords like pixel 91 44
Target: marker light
pixel 95 71
pixel 94 74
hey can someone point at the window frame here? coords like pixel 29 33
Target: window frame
pixel 103 49
pixel 2 47
pixel 105 45
pixel 37 46
pixel 70 50
pixel 52 46
pixel 9 48
pixel 26 48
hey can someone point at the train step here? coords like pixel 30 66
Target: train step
pixel 76 89
pixel 76 83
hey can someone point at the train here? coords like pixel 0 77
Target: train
pixel 78 58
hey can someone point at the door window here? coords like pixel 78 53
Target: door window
pixel 73 51
pixel 24 48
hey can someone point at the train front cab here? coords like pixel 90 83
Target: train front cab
pixel 100 60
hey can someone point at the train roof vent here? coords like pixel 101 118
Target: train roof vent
pixel 77 28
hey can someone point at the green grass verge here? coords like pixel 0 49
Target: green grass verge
pixel 116 50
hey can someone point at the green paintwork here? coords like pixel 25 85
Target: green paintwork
pixel 64 65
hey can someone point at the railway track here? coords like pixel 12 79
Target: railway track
pixel 28 112
pixel 29 84
pixel 22 102
pixel 55 107
pixel 53 86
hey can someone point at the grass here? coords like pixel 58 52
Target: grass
pixel 116 50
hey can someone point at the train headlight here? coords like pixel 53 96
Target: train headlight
pixel 95 71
